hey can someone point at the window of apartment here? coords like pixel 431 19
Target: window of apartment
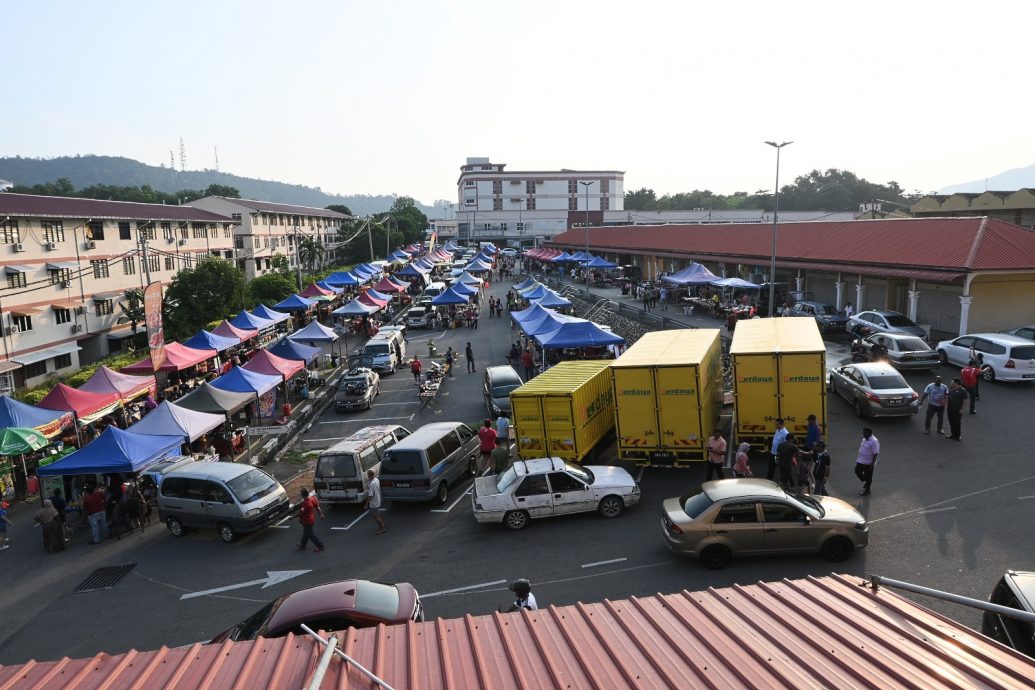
pixel 62 315
pixel 254 218
pixel 63 361
pixel 61 275
pixel 35 369
pixel 16 280
pixel 188 261
pixel 573 203
pixel 239 242
pixel 23 322
pixel 53 231
pixel 129 266
pixel 154 263
pixel 530 204
pixel 503 227
pixel 9 232
pixel 146 230
pixel 573 187
pixel 200 256
pixel 200 230
pixel 235 216
pixel 228 255
pixel 497 204
pixel 258 265
pixel 256 242
pixel 170 263
pixel 469 202
pixel 487 227
pixel 167 231
pixel 183 231
pixel 227 230
pixel 100 268
pixel 521 227
pixel 265 242
pixel 95 231
pixel 104 307
pixel 124 232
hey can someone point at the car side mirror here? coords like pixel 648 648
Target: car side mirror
pixel 808 520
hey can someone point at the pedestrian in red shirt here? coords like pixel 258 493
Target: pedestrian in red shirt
pixel 415 367
pixel 487 444
pixel 307 516
pixel 969 378
pixel 93 509
pixel 528 363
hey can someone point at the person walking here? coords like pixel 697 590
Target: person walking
pixel 788 457
pixel 94 510
pixel 528 363
pixel 469 353
pixel 955 399
pixel 848 310
pixel 969 378
pixel 820 468
pixel 4 522
pixel 778 437
pixel 415 368
pixel 813 434
pixel 500 456
pixel 486 444
pixel 866 460
pixel 935 394
pixel 373 502
pixel 742 468
pixel 503 429
pixel 53 534
pixel 450 359
pixel 716 456
pixel 307 516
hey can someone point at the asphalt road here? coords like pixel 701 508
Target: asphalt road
pixel 944 514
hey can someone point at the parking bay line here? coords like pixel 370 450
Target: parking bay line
pixel 950 500
pixel 352 524
pixel 1025 498
pixel 464 589
pixel 613 560
pixel 453 505
pixel 361 421
pixel 935 510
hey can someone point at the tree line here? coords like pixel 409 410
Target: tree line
pixel 144 194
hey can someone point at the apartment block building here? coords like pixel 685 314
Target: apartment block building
pixel 1016 207
pixel 67 264
pixel 267 229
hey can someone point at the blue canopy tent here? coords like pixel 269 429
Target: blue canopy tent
pixel 560 258
pixel 378 295
pixel 548 323
pixel 355 308
pixel 342 279
pixel 552 299
pixel 581 256
pixel 490 248
pixel 327 286
pixel 469 279
pixel 536 311
pixel 251 322
pixel 525 284
pixel 580 333
pixel 14 413
pixel 694 274
pixel 477 267
pixel 425 262
pixel 464 288
pixel 411 271
pixel 240 380
pixel 367 268
pixel 205 340
pixel 586 258
pixel 295 303
pixel 450 296
pixel 264 312
pixel 289 349
pixel 736 283
pixel 538 292
pixel 315 332
pixel 115 450
pixel 599 262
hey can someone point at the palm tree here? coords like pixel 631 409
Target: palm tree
pixel 310 252
pixel 132 309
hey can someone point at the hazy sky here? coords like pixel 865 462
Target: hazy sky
pixel 391 96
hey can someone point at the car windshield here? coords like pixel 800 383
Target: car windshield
pixel 912 344
pixel 898 320
pixel 696 504
pixel 376 349
pixel 376 600
pixel 581 472
pixel 252 485
pixel 506 480
pixel 1023 352
pixel 336 466
pixel 809 504
pixel 887 382
pixel 402 462
pixel 503 390
pixel 825 309
pixel 257 623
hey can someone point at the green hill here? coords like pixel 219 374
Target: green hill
pixel 84 171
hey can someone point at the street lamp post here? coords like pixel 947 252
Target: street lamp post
pixel 585 187
pixel 776 212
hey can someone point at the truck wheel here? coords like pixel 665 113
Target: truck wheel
pixel 611 506
pixel 226 532
pixel 837 549
pixel 175 527
pixel 515 520
pixel 443 493
pixel 716 556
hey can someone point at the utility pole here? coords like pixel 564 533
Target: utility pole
pixel 142 238
pixel 298 257
pixel 370 239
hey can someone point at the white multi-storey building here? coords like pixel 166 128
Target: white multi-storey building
pixel 67 264
pixel 267 229
pixel 529 206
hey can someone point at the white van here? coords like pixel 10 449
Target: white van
pixel 388 351
pixel 341 470
pixel 435 289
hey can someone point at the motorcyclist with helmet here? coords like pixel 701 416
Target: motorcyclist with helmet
pixel 525 599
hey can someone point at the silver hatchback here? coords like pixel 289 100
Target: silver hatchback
pixel 746 517
pixel 874 389
pixel 904 351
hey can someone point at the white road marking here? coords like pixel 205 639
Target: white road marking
pixel 408 402
pixel 359 421
pixel 935 510
pixel 952 500
pixel 352 524
pixel 464 589
pixel 1025 498
pixel 453 504
pixel 273 577
pixel 640 475
pixel 613 560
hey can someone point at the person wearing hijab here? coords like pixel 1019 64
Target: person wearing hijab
pixel 741 468
pixel 53 535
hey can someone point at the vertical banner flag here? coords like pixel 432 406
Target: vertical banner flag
pixel 153 320
pixel 434 238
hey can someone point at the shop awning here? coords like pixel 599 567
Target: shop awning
pixel 40 355
pixel 62 266
pixel 97 297
pixel 121 335
pixel 66 304
pixel 24 311
pixel 264 362
pixel 19 268
pixel 289 349
pixel 47 422
pixel 264 312
pixel 228 330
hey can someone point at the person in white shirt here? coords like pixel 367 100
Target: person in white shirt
pixel 503 429
pixel 778 437
pixel 373 503
pixel 848 310
pixel 525 598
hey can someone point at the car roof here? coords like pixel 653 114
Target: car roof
pixel 891 336
pixel 219 470
pixel 501 372
pixel 875 368
pixel 721 489
pixel 1002 338
pixel 419 438
pixel 330 599
pixel 1024 581
pixel 538 465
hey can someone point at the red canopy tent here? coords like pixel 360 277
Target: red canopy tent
pixel 177 357
pixel 388 286
pixel 372 301
pixel 87 406
pixel 228 330
pixel 127 387
pixel 315 290
pixel 262 362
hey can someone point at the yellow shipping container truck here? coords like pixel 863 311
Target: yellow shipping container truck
pixel 564 412
pixel 779 371
pixel 668 395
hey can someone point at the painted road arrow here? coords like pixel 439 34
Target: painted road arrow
pixel 273 577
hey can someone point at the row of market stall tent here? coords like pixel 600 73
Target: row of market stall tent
pixel 553 330
pixel 584 259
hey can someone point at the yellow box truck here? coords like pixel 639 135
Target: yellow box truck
pixel 668 395
pixel 779 371
pixel 564 412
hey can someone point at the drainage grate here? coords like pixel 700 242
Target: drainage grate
pixel 105 578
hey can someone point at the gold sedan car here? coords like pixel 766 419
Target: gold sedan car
pixel 747 517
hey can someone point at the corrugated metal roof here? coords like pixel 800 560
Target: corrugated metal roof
pixel 291 209
pixel 955 244
pixel 33 205
pixel 829 632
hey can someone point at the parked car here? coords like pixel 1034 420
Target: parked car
pixel 508 251
pixel 399 328
pixel 1026 332
pixel 904 351
pixel 744 517
pixel 874 389
pixel 866 322
pixel 357 390
pixel 1001 357
pixel 497 384
pixel 424 465
pixel 550 486
pixel 827 317
pixel 1015 590
pixel 330 607
pixel 417 317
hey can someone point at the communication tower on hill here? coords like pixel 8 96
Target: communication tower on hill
pixel 183 156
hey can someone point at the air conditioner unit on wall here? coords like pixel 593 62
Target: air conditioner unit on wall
pixel 51 246
pixel 170 240
pixel 77 328
pixel 66 284
pixel 12 330
pixel 89 244
pixel 19 247
pixel 183 242
pixel 80 310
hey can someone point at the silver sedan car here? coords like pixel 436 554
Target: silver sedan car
pixel 746 517
pixel 904 351
pixel 874 389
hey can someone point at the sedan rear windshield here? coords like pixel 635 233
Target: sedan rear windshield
pixel 336 466
pixel 503 390
pixel 1023 352
pixel 402 462
pixel 252 485
pixel 912 345
pixel 898 320
pixel 696 504
pixel 886 383
pixel 377 600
